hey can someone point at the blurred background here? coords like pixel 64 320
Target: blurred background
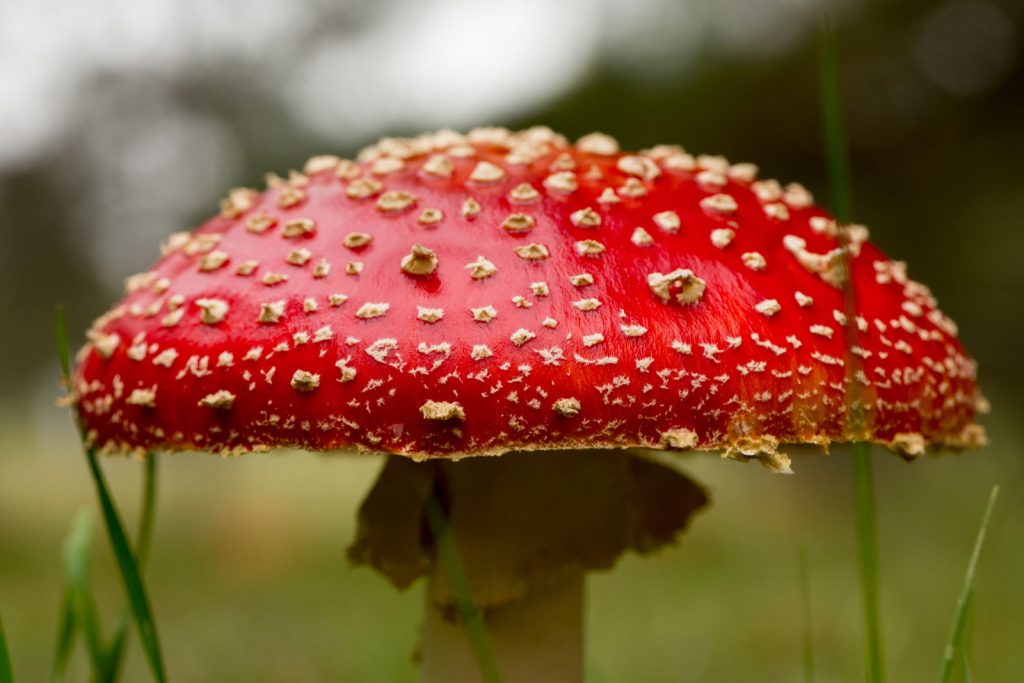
pixel 124 120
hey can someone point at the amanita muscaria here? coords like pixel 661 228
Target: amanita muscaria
pixel 453 295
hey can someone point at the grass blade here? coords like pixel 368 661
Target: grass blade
pixel 80 599
pixel 65 639
pixel 834 125
pixel 958 628
pixel 115 653
pixel 6 671
pixel 867 551
pixel 63 348
pixel 138 601
pixel 448 555
pixel 805 616
pixel 842 197
pixel 968 678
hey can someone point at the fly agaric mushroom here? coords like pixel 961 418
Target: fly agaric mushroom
pixel 453 295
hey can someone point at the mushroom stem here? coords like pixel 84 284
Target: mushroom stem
pixel 538 639
pixel 526 526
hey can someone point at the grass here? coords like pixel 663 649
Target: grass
pixel 127 563
pixel 6 672
pixel 837 156
pixel 963 604
pixel 448 556
pixel 805 617
pixel 81 615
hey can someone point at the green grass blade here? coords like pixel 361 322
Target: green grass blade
pixel 968 678
pixel 842 197
pixel 115 653
pixel 63 348
pixel 867 551
pixel 448 555
pixel 138 601
pixel 959 626
pixel 6 670
pixel 65 639
pixel 76 577
pixel 805 616
pixel 834 125
pixel 131 578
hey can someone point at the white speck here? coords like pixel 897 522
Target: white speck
pixel 442 410
pixel 777 211
pixel 271 279
pixel 271 312
pixel 521 301
pixel 719 203
pixel 484 314
pixel 532 252
pixel 305 381
pixel 754 260
pixel 213 260
pixel 470 208
pixel 420 261
pixel 710 350
pixel 429 315
pixel 481 351
pixel 721 237
pixel 598 143
pixel 481 268
pixel 348 373
pixel 142 397
pixel 566 407
pixel 638 166
pixel 667 221
pixel 589 248
pixel 518 223
pixel 212 310
pixel 521 336
pixel 563 182
pixel 173 318
pixel 682 283
pixel 299 257
pixel 357 240
pixel 641 238
pixel 300 227
pixel 394 201
pixel 380 349
pixel 219 400
pixel 768 307
pixel 680 347
pixel 486 172
pixel 585 218
pixel 372 310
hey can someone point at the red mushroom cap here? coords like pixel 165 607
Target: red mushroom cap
pixel 452 295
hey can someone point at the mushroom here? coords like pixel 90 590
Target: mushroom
pixel 635 303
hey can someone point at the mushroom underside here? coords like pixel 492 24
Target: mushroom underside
pixel 522 522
